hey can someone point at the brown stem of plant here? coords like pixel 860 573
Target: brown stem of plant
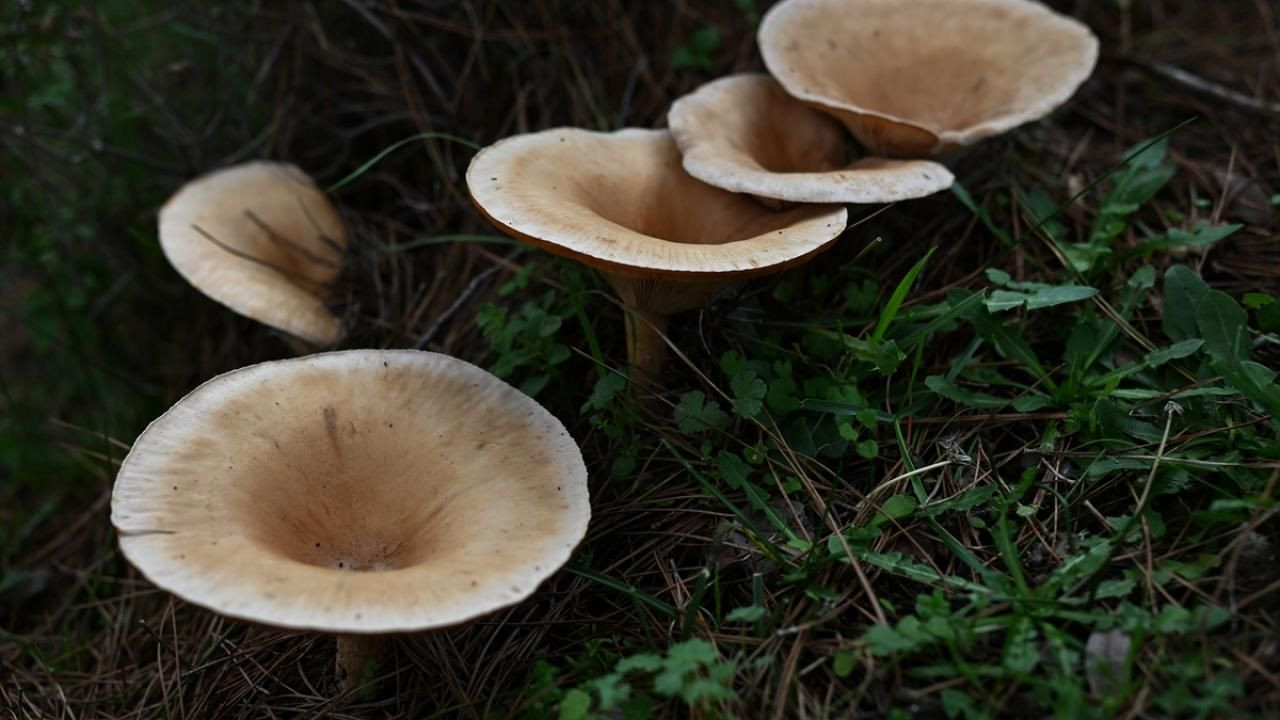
pixel 355 655
pixel 646 347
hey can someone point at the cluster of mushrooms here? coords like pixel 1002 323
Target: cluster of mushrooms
pixel 367 493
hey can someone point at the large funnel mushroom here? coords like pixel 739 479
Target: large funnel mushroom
pixel 263 240
pixel 359 493
pixel 746 134
pixel 621 202
pixel 912 79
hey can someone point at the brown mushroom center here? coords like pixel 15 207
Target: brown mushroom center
pixel 671 205
pixel 351 491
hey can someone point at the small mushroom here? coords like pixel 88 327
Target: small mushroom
pixel 263 240
pixel 744 133
pixel 359 493
pixel 621 202
pixel 913 79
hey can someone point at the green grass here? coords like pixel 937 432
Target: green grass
pixel 1127 454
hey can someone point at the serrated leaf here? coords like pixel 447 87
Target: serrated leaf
pixel 611 689
pixel 642 661
pixel 732 363
pixel 605 390
pixel 748 394
pixel 695 413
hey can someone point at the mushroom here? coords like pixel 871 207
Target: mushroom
pixel 358 493
pixel 263 240
pixel 746 134
pixel 621 202
pixel 913 79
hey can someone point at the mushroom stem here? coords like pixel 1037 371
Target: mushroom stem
pixel 355 653
pixel 646 347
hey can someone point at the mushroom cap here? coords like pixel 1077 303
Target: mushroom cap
pixel 621 202
pixel 263 240
pixel 917 78
pixel 744 133
pixel 364 491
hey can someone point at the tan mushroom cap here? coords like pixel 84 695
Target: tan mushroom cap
pixel 744 133
pixel 917 78
pixel 364 491
pixel 263 240
pixel 622 202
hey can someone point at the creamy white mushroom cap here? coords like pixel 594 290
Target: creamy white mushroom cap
pixel 622 202
pixel 364 491
pixel 917 78
pixel 263 240
pixel 744 133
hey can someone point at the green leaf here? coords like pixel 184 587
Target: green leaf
pixel 1009 344
pixel 696 53
pixel 1177 351
pixel 611 689
pixel 1201 234
pixel 961 396
pixel 898 506
pixel 605 390
pixel 747 613
pixel 1115 588
pixel 732 363
pixel 1222 325
pixel 843 665
pixel 733 471
pixel 890 310
pixel 1226 340
pixel 575 705
pixel 692 653
pixel 884 640
pixel 1038 298
pixel 1183 290
pixel 643 661
pixel 748 394
pixel 695 413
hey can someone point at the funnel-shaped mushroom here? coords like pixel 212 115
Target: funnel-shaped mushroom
pixel 912 79
pixel 621 202
pixel 263 240
pixel 359 493
pixel 746 134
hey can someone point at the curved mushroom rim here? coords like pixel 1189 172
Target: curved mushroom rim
pixel 968 135
pixel 645 272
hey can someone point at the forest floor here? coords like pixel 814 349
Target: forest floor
pixel 1010 450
